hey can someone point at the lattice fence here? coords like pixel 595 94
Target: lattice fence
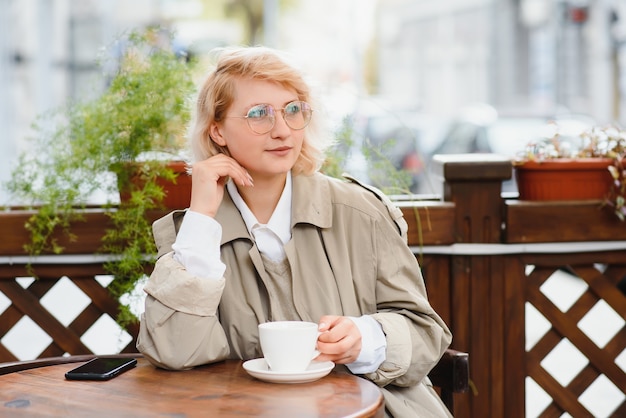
pixel 67 310
pixel 576 341
pixel 575 327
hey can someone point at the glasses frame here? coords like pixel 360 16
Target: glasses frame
pixel 272 115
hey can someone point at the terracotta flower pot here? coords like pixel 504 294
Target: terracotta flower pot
pixel 564 179
pixel 177 195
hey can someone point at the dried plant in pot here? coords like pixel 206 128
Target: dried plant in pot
pixel 81 148
pixel 556 169
pixel 613 141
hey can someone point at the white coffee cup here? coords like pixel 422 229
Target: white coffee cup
pixel 288 346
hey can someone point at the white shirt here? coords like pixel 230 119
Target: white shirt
pixel 270 238
pixel 197 247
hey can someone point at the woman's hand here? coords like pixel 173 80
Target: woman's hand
pixel 339 340
pixel 208 178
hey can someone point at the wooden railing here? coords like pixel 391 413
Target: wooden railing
pixel 487 262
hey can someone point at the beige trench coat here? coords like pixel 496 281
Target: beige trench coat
pixel 348 256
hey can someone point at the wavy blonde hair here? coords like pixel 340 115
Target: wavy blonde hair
pixel 218 93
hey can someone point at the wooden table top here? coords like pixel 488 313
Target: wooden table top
pixel 219 390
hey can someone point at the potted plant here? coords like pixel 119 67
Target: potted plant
pixel 556 169
pixel 125 139
pixel 615 140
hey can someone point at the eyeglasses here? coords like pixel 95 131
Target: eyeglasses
pixel 262 117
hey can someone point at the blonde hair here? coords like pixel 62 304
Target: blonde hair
pixel 218 93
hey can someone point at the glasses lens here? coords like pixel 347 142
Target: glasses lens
pixel 261 118
pixel 297 114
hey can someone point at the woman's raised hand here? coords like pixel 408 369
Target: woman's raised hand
pixel 208 178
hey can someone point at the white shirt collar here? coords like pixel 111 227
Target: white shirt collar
pixel 280 221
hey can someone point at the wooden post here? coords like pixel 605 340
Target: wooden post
pixel 474 183
pixel 480 296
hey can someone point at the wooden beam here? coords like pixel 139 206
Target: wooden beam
pixel 561 221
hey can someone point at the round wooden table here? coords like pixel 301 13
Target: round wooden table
pixel 219 390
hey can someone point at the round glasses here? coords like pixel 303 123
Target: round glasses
pixel 262 117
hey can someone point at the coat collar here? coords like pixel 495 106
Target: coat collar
pixel 312 202
pixel 311 205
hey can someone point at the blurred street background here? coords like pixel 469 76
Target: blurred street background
pixel 421 77
pixel 415 77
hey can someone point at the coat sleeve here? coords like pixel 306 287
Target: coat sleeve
pixel 180 328
pixel 416 336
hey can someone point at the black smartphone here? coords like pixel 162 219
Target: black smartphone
pixel 101 368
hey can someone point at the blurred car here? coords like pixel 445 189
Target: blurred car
pixel 391 143
pixel 482 129
pixel 385 146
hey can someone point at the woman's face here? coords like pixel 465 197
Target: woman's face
pixel 263 155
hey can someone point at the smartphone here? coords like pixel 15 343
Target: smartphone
pixel 101 368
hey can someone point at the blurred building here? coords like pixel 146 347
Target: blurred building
pixel 440 54
pixel 538 54
pixel 50 52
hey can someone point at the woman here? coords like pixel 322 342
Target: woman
pixel 267 237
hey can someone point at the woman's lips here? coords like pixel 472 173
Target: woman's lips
pixel 280 151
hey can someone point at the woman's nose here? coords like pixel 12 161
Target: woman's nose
pixel 280 129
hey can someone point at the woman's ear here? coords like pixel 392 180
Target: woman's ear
pixel 215 131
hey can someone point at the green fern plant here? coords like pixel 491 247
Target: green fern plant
pixel 82 148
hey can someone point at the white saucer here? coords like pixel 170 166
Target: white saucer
pixel 258 368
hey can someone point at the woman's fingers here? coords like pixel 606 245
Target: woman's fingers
pixel 208 179
pixel 220 166
pixel 339 340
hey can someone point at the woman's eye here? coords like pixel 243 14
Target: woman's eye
pixel 292 108
pixel 258 112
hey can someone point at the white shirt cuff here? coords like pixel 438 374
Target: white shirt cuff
pixel 197 246
pixel 373 345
